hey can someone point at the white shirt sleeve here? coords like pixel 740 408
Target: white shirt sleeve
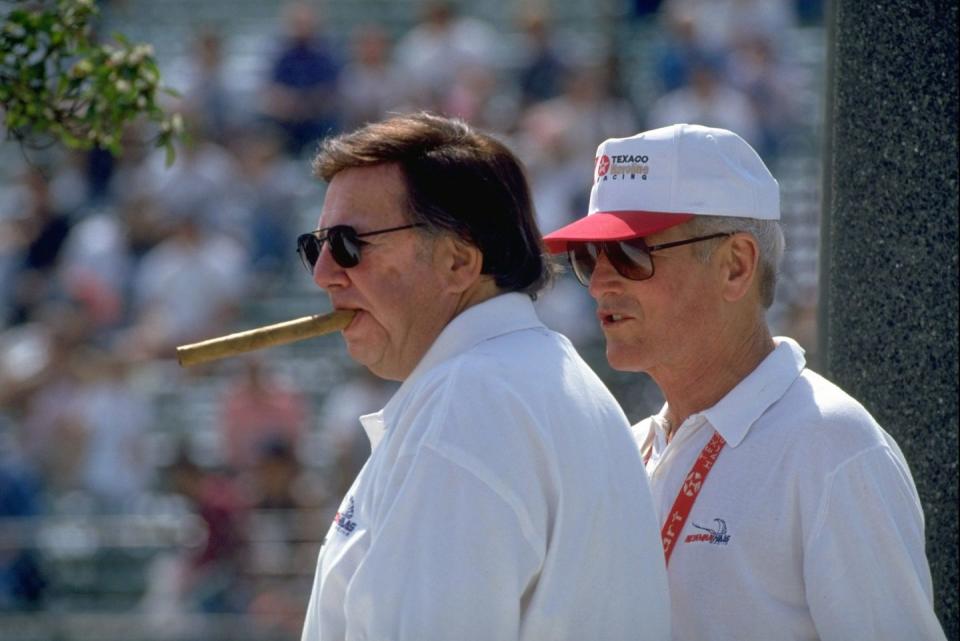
pixel 451 553
pixel 865 570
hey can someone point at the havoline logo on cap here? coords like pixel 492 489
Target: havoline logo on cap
pixel 622 167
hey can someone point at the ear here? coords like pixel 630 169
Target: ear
pixel 459 263
pixel 740 257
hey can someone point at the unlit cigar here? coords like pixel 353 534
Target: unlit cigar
pixel 261 337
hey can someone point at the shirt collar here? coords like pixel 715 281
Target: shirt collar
pixel 374 426
pixel 736 412
pixel 493 317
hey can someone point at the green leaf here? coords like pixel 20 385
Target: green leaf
pixel 58 82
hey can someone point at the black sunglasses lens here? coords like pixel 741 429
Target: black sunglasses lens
pixel 630 258
pixel 309 249
pixel 345 246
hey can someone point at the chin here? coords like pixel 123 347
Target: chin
pixel 622 360
pixel 370 359
pixel 359 355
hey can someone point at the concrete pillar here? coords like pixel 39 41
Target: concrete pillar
pixel 889 267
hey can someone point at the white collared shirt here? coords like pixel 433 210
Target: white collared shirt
pixel 808 526
pixel 504 500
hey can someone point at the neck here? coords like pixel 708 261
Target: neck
pixel 711 373
pixel 483 289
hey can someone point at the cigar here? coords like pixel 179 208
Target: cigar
pixel 261 337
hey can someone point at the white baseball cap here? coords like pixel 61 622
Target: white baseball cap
pixel 664 177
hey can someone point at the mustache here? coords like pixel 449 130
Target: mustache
pixel 615 304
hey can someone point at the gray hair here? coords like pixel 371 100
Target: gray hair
pixel 769 237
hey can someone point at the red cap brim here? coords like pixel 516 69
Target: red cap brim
pixel 613 225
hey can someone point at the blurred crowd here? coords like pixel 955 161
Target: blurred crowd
pixel 107 264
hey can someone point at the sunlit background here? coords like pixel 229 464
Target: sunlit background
pixel 142 501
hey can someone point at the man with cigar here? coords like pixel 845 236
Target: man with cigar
pixel 504 498
pixel 786 512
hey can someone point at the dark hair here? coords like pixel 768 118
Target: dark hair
pixel 458 180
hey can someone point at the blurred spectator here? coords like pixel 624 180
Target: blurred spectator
pixel 95 268
pixel 300 95
pixel 186 288
pixel 276 469
pixel 209 98
pixel 142 220
pixel 437 48
pixel 115 418
pixel 202 182
pixel 707 100
pixel 37 234
pixel 720 23
pixel 258 408
pixel 121 177
pixel 51 433
pixel 477 97
pixel 268 184
pixel 284 495
pixel 23 584
pixel 770 86
pixel 680 52
pixel 369 86
pixel 542 67
pixel 209 578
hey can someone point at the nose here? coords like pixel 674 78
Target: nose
pixel 327 273
pixel 605 279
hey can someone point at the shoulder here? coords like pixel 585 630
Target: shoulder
pixel 508 368
pixel 511 358
pixel 822 423
pixel 818 404
pixel 532 378
pixel 538 365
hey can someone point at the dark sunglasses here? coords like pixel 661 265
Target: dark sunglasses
pixel 344 242
pixel 631 258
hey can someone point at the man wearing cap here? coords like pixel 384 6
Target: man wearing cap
pixel 786 511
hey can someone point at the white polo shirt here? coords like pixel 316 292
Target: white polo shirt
pixel 504 500
pixel 808 526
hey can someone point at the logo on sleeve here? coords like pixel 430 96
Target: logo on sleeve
pixel 344 520
pixel 716 536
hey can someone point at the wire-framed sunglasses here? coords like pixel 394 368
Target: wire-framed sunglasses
pixel 345 244
pixel 633 258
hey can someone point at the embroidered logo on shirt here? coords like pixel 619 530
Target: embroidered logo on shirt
pixel 344 520
pixel 718 536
